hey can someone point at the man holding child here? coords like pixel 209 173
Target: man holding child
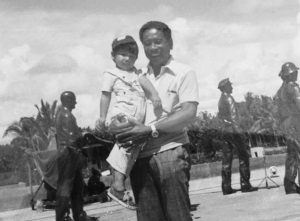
pixel 160 175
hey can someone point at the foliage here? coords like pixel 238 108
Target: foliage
pixel 46 116
pixel 258 119
pixel 30 134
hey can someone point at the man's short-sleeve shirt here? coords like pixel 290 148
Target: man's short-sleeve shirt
pixel 176 84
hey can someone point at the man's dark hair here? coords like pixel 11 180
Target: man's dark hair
pixel 157 25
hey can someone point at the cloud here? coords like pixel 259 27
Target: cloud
pixel 253 6
pixel 57 46
pixel 248 53
pixel 87 109
pixel 296 42
pixel 16 60
pixel 54 64
pixel 12 66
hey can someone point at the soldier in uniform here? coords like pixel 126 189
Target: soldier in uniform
pixel 233 138
pixel 288 99
pixel 69 162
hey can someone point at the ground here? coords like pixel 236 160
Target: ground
pixel 208 203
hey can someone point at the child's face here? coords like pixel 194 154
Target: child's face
pixel 124 59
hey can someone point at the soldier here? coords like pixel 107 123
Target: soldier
pixel 233 137
pixel 69 162
pixel 288 98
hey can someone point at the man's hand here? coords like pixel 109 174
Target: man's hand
pixel 138 133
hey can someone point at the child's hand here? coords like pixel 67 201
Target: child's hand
pixel 158 110
pixel 100 125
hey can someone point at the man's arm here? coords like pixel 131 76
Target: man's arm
pixel 175 122
pixel 172 124
pixel 295 92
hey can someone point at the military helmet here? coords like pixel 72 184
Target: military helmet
pixel 287 69
pixel 223 83
pixel 67 97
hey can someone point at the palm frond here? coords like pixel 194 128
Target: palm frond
pixel 13 128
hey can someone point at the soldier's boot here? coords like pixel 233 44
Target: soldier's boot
pixel 245 176
pixel 62 208
pixel 290 175
pixel 290 186
pixel 226 182
pixel 78 213
pixel 84 217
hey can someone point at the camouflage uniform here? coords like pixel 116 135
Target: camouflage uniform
pixel 288 106
pixel 233 138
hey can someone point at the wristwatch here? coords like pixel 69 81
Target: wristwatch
pixel 154 132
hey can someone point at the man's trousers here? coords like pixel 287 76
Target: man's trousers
pixel 70 184
pixel 160 186
pixel 292 167
pixel 235 141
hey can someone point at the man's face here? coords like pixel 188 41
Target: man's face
pixel 71 104
pixel 228 88
pixel 156 46
pixel 294 76
pixel 124 59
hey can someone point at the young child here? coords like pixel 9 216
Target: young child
pixel 130 90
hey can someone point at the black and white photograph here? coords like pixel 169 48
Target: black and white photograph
pixel 145 110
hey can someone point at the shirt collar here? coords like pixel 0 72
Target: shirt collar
pixel 168 68
pixel 120 73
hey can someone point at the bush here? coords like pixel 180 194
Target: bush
pixel 13 166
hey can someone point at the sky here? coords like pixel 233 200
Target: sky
pixel 49 46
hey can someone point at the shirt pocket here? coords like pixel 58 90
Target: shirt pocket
pixel 171 98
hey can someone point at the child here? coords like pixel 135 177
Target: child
pixel 130 92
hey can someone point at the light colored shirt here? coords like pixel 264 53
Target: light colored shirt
pixel 129 97
pixel 176 84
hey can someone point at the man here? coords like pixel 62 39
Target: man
pixel 288 99
pixel 69 162
pixel 233 137
pixel 160 175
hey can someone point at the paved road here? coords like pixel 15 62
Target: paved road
pixel 208 204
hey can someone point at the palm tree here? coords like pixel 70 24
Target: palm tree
pixel 29 131
pixel 46 116
pixel 28 137
pixel 33 134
